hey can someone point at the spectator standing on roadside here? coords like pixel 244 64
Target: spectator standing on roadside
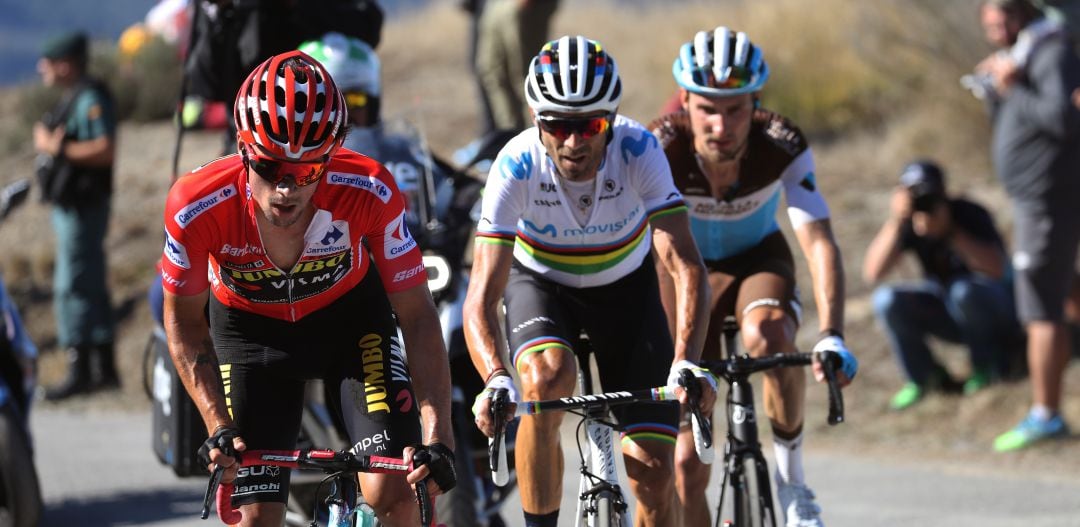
pixel 76 148
pixel 510 32
pixel 965 295
pixel 1036 152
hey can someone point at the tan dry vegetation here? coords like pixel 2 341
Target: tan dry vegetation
pixel 874 84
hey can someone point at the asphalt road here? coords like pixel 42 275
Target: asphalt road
pixel 97 469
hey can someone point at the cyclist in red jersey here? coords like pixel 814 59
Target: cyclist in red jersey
pixel 305 250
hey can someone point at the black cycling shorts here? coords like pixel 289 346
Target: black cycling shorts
pixel 351 344
pixel 627 330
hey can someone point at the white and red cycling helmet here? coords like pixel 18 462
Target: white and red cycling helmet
pixel 290 107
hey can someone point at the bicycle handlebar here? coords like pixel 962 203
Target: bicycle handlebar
pixel 329 461
pixel 744 365
pixel 500 473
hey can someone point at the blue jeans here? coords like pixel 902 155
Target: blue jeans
pixel 973 311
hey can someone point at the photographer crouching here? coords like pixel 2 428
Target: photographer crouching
pixel 965 295
pixel 76 148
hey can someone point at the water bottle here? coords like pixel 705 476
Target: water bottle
pixel 365 516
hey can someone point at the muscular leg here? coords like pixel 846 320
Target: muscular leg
pixel 547 374
pixel 649 466
pixel 263 515
pixel 691 479
pixel 392 497
pixel 768 330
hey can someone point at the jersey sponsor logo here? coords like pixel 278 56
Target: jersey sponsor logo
pixel 269 285
pixel 336 240
pixel 376 382
pixel 175 252
pixel 530 322
pixel 547 203
pixel 240 251
pixel 784 136
pixel 548 229
pixel 371 184
pixel 809 182
pixel 401 276
pixel 611 196
pixel 256 489
pixel 547 187
pixel 172 280
pixel 375 443
pixel 519 169
pixel 636 147
pixel 724 208
pixel 609 185
pixel 603 228
pixel 258 470
pixel 203 204
pixel 397 240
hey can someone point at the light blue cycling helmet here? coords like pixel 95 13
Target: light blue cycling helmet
pixel 720 63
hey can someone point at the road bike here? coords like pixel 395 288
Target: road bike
pixel 341 467
pixel 600 499
pixel 745 468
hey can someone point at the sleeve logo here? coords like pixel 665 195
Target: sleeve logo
pixel 203 204
pixel 371 184
pixel 398 240
pixel 175 252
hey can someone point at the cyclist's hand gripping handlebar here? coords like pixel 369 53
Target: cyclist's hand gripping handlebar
pixel 703 437
pixel 831 363
pixel 500 473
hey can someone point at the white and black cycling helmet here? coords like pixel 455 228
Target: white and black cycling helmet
pixel 573 75
pixel 720 63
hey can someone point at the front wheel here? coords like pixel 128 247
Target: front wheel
pixel 20 495
pixel 753 495
pixel 609 511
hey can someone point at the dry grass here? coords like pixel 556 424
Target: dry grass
pixel 874 83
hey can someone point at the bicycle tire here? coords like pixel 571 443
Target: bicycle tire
pixel 607 514
pixel 753 505
pixel 20 494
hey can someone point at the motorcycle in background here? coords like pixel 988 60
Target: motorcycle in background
pixel 20 493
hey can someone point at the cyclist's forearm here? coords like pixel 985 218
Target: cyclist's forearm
pixel 481 337
pixel 692 315
pixel 827 274
pixel 431 378
pixel 197 365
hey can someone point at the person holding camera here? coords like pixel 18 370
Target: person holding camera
pixel 965 295
pixel 76 145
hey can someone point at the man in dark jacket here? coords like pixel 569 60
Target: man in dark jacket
pixel 76 146
pixel 1036 151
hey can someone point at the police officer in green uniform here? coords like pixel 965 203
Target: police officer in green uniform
pixel 76 145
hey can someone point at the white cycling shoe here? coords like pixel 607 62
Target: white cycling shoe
pixel 797 502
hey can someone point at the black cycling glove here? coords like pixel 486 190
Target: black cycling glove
pixel 222 439
pixel 440 461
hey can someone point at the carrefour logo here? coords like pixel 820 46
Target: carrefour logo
pixel 175 252
pixel 368 183
pixel 397 240
pixel 203 204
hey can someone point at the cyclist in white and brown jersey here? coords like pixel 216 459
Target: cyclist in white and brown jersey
pixel 731 159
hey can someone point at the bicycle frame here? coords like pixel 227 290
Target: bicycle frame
pixel 742 445
pixel 599 474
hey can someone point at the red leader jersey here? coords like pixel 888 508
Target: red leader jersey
pixel 212 239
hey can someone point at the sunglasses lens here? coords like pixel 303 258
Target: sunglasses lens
pixel 356 99
pixel 274 171
pixel 564 128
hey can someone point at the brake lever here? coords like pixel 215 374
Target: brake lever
pixel 831 363
pixel 211 490
pixel 500 474
pixel 423 498
pixel 693 395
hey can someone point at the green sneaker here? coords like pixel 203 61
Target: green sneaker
pixel 977 381
pixel 1030 431
pixel 910 394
